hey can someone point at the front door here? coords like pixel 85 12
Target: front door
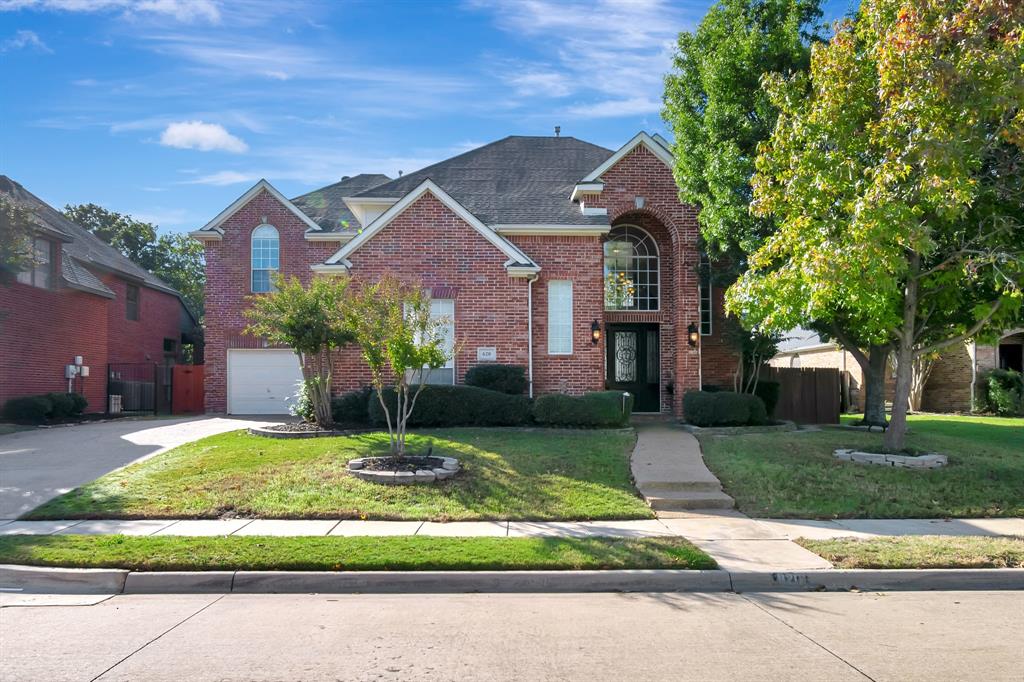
pixel 634 364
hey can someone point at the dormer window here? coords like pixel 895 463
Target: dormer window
pixel 266 257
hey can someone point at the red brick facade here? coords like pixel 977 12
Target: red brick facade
pixel 42 330
pixel 430 244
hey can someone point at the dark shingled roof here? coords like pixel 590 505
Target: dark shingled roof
pixel 326 206
pixel 80 244
pixel 516 180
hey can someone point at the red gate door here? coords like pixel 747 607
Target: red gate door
pixel 187 389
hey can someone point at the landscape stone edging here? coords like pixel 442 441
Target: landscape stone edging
pixel 270 433
pixel 449 467
pixel 928 461
pixel 785 425
pixel 37 579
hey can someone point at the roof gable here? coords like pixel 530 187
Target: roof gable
pixel 517 260
pixel 326 206
pixel 656 145
pixel 214 226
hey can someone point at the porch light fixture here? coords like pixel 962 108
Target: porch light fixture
pixel 693 335
pixel 595 332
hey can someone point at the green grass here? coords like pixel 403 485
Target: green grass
pixel 13 428
pixel 350 553
pixel 928 551
pixel 793 474
pixel 518 474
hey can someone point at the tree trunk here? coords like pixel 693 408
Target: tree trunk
pixel 874 384
pixel 896 434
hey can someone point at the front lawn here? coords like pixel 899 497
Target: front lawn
pixel 923 551
pixel 517 474
pixel 793 474
pixel 350 553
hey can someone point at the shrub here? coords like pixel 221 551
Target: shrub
pixel 32 409
pixel 457 406
pixel 1004 392
pixel 62 405
pixel 724 408
pixel 598 409
pixel 301 403
pixel 768 391
pixel 80 403
pixel 351 407
pixel 509 379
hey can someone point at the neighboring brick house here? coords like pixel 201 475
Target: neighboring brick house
pixel 84 299
pixel 516 241
pixel 952 382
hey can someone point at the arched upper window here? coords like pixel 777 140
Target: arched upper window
pixel 630 270
pixel 266 254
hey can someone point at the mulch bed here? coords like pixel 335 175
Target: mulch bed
pixel 411 463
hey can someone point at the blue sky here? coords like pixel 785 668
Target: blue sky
pixel 169 109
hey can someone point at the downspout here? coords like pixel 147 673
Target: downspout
pixel 972 351
pixel 529 332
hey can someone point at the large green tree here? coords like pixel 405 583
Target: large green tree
pixel 897 182
pixel 719 113
pixel 174 258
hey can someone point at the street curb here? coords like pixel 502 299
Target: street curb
pixel 115 581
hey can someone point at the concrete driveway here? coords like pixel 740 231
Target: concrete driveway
pixel 40 464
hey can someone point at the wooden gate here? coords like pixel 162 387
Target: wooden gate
pixel 187 395
pixel 807 396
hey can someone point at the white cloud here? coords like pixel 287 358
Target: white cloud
pixel 613 108
pixel 205 137
pixel 22 40
pixel 620 51
pixel 223 179
pixel 182 10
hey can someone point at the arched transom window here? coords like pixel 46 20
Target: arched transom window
pixel 630 270
pixel 266 256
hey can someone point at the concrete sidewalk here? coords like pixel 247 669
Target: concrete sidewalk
pixel 669 471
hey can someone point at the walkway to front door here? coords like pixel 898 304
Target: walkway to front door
pixel 634 364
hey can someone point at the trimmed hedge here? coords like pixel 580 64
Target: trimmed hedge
pixel 510 379
pixel 456 406
pixel 724 408
pixel 352 407
pixel 768 391
pixel 35 409
pixel 597 409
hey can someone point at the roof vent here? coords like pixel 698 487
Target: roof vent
pixel 399 173
pixel 345 177
pixel 558 131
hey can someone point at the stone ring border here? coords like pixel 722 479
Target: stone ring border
pixel 449 467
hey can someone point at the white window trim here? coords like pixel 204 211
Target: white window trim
pixel 252 268
pixel 571 317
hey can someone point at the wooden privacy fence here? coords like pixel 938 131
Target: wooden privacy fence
pixel 807 396
pixel 187 393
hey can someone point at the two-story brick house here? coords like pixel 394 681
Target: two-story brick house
pixel 82 299
pixel 575 261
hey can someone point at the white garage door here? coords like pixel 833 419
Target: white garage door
pixel 261 381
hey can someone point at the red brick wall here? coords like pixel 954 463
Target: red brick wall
pixel 228 281
pixel 43 330
pixel 430 245
pixel 142 340
pixel 579 259
pixel 674 225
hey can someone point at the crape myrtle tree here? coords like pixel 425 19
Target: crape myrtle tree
pixel 719 114
pixel 401 342
pixel 312 320
pixel 894 174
